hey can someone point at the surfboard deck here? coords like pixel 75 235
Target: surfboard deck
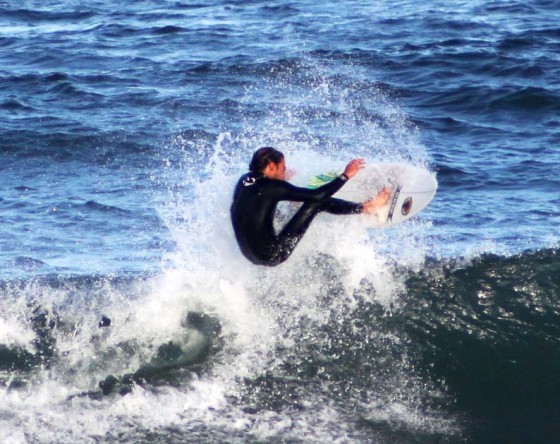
pixel 412 189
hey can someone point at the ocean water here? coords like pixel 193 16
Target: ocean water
pixel 127 313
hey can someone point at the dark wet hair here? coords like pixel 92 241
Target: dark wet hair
pixel 262 157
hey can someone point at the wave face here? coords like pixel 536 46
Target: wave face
pixel 490 331
pixel 452 352
pixel 127 312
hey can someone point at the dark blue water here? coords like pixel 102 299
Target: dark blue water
pixel 123 128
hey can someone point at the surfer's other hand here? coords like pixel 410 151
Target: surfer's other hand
pixel 353 167
pixel 372 205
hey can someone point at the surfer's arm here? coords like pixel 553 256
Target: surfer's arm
pixel 286 191
pixel 342 207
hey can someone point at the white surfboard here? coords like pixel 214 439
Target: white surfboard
pixel 412 189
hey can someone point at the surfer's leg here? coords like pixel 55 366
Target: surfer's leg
pixel 294 230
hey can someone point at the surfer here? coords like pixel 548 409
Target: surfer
pixel 258 192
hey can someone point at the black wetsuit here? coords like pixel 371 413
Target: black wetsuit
pixel 252 215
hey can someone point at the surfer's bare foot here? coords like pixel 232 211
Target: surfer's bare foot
pixel 372 205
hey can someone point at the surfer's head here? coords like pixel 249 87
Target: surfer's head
pixel 262 159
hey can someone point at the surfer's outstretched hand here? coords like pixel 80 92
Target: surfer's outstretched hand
pixel 372 205
pixel 353 167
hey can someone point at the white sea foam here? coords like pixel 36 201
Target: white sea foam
pixel 13 333
pixel 266 314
